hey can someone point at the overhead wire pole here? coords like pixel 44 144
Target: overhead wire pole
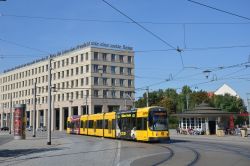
pixel 248 103
pixel 49 102
pixel 11 117
pixel 147 95
pixel 34 110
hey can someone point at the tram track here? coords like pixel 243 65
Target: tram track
pixel 194 161
pixel 166 159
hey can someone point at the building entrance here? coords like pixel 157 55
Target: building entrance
pixel 212 127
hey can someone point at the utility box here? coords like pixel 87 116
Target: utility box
pixel 19 121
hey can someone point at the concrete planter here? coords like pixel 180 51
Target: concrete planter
pixel 243 133
pixel 220 133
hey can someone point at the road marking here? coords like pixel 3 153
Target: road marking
pixel 129 161
pixel 118 157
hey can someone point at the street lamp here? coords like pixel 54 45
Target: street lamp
pixel 207 73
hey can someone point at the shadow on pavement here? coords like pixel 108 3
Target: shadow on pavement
pixel 172 141
pixel 21 152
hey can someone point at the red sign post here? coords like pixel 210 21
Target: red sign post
pixel 19 121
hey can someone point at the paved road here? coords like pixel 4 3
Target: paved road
pixel 85 150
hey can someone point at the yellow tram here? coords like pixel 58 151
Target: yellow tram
pixel 142 124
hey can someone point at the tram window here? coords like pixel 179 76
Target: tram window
pixel 82 123
pixel 133 122
pixel 109 124
pixel 119 123
pixel 99 124
pixel 91 123
pixel 144 123
pixel 141 124
pixel 106 124
pixel 113 124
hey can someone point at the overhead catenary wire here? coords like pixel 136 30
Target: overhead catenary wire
pixel 141 26
pixel 23 46
pixel 220 10
pixel 120 21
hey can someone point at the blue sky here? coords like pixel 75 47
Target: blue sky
pixel 51 36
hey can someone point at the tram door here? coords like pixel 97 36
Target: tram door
pixel 127 122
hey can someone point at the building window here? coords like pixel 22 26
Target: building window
pixel 129 59
pixel 129 71
pixel 72 83
pixel 112 57
pixel 95 93
pixel 104 69
pixel 77 94
pixel 121 82
pixel 81 94
pixel 58 64
pixel 87 56
pixel 87 68
pixel 121 70
pixel 82 81
pixel 77 59
pixel 77 71
pixel 82 70
pixel 121 94
pixel 87 93
pixel 113 93
pixel 95 68
pixel 121 58
pixel 113 81
pixel 62 74
pixel 67 96
pixel 62 63
pixel 67 61
pixel 87 81
pixel 82 57
pixel 76 83
pixel 104 56
pixel 112 69
pixel 95 80
pixel 95 55
pixel 72 72
pixel 67 73
pixel 104 80
pixel 58 97
pixel 105 93
pixel 129 83
pixel 72 60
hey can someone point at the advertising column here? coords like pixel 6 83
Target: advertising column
pixel 19 121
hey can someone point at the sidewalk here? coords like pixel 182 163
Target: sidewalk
pixel 17 151
pixel 213 138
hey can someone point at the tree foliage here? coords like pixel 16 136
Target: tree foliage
pixel 177 102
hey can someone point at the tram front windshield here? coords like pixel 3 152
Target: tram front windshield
pixel 158 121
